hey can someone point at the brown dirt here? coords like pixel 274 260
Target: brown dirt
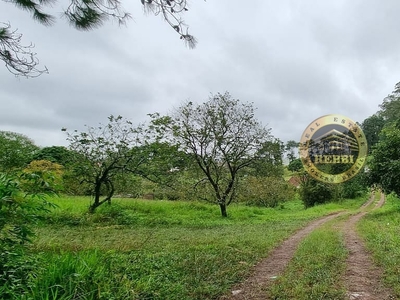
pixel 254 288
pixel 362 277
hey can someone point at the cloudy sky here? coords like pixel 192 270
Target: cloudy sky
pixel 295 60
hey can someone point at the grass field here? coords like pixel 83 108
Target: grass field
pixel 140 249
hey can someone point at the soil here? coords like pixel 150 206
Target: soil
pixel 362 277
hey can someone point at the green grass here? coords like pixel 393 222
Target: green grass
pixel 316 268
pixel 141 249
pixel 381 231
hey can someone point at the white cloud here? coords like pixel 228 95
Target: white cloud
pixel 295 60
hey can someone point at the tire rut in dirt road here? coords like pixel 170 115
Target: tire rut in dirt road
pixel 362 277
pixel 254 288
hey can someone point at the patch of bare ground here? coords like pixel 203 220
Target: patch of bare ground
pixel 362 277
pixel 263 274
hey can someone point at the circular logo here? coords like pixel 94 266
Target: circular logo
pixel 333 148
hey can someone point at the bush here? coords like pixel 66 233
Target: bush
pixel 314 192
pixel 265 191
pixel 18 211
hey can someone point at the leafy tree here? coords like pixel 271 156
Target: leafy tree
pixel 51 173
pixel 371 127
pixel 223 137
pixel 105 151
pixel 384 166
pixel 290 148
pixel 16 151
pixel 390 107
pixel 83 15
pixel 56 154
pixel 295 165
pixel 268 160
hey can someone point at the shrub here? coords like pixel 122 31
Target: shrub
pixel 18 211
pixel 314 192
pixel 265 191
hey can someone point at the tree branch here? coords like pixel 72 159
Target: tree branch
pixel 20 60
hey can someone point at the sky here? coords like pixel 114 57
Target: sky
pixel 294 60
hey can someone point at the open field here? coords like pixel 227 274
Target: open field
pixel 141 249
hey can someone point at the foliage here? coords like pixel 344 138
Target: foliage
pixel 384 167
pixel 372 127
pixel 355 187
pixel 18 211
pixel 55 154
pixel 16 151
pixel 20 60
pixel 223 138
pixel 290 148
pixel 390 107
pixel 105 151
pixel 380 230
pixel 314 192
pixel 265 191
pixel 268 160
pixel 50 173
pixel 295 165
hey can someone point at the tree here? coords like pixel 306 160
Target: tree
pixel 268 160
pixel 295 165
pixel 223 137
pixel 20 60
pixel 16 151
pixel 290 148
pixel 372 127
pixel 390 107
pixel 55 154
pixel 384 167
pixel 51 173
pixel 105 151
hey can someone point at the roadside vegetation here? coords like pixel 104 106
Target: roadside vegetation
pixel 316 269
pixel 381 231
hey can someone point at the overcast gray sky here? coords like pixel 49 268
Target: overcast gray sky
pixel 296 60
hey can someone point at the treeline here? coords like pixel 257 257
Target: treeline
pixel 215 151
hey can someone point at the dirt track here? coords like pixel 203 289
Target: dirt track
pixel 362 278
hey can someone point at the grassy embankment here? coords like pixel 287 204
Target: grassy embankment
pixel 136 249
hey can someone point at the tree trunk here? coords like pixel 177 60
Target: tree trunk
pixel 223 209
pixel 96 202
